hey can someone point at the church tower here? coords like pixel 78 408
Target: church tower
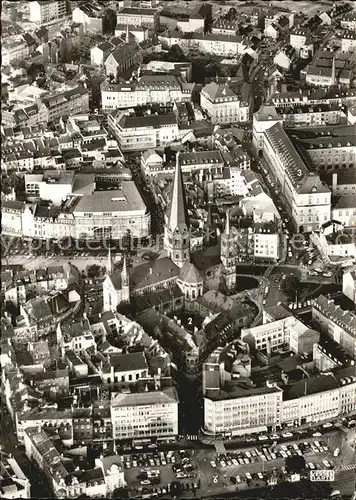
pixel 125 282
pixel 176 231
pixel 228 256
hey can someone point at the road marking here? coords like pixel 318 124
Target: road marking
pixel 348 467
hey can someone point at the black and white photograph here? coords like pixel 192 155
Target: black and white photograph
pixel 178 249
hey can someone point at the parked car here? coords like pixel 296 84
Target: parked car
pixel 287 435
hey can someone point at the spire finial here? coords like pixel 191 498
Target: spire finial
pixel 124 266
pixel 227 224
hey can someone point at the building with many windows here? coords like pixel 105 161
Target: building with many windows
pixel 45 11
pixel 241 408
pixel 309 200
pixel 110 215
pixel 337 323
pixel 139 17
pixel 146 90
pixel 226 103
pixel 145 414
pixel 136 133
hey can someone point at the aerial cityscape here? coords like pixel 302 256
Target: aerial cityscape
pixel 178 249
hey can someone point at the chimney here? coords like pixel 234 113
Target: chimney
pixel 269 350
pixel 334 182
pixel 151 270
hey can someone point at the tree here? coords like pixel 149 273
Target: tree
pixel 176 489
pixel 109 22
pixel 232 14
pixel 35 70
pixel 94 271
pixel 295 464
pixel 176 54
pixel 290 286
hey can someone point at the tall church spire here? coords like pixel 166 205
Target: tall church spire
pixel 176 231
pixel 109 267
pixel 125 281
pixel 178 216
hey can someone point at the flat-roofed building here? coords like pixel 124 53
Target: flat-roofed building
pixel 145 414
pixel 139 17
pixel 43 12
pixel 103 215
pixel 240 407
pixel 136 133
pixel 149 89
pixel 328 68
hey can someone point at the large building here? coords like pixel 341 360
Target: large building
pixel 45 11
pixel 328 69
pixel 111 215
pixel 145 414
pixel 226 103
pixel 337 323
pixel 242 408
pixel 139 17
pixel 273 335
pixel 309 200
pixel 146 90
pixel 219 45
pixel 136 133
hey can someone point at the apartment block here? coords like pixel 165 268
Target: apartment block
pixel 148 89
pixel 309 200
pixel 135 133
pixel 139 17
pixel 242 409
pixel 337 323
pixel 145 414
pixel 45 11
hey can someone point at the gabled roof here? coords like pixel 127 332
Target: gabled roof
pixel 217 91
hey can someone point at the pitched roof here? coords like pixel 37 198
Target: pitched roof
pixel 151 273
pixel 126 362
pixel 190 274
pixel 217 91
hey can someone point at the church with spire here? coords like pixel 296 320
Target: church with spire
pixel 176 230
pixel 180 273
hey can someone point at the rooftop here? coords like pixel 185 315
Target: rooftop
pixel 165 396
pixel 126 199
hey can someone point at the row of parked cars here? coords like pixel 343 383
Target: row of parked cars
pixel 265 454
pixel 184 468
pixel 154 459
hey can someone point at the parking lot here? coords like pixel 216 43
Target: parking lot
pixel 155 471
pixel 260 462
